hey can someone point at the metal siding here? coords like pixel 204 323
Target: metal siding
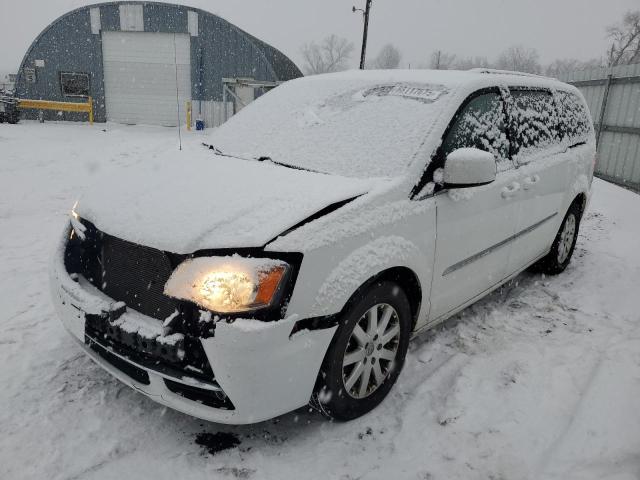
pixel 110 17
pixel 165 18
pixel 635 166
pixel 618 152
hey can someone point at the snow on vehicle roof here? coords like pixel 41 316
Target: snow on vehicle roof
pixel 355 124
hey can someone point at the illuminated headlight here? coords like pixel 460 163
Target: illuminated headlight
pixel 77 226
pixel 228 284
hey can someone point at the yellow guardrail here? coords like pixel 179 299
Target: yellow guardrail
pixel 189 115
pixel 86 107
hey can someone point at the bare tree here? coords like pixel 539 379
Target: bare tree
pixel 467 63
pixel 441 60
pixel 564 65
pixel 389 57
pixel 625 40
pixel 520 59
pixel 330 55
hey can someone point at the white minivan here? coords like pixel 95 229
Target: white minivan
pixel 291 258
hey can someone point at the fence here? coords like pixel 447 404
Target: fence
pixel 613 95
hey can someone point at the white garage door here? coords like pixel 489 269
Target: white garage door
pixel 140 77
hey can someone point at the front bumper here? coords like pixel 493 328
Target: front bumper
pixel 262 369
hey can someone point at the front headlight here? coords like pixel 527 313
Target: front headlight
pixel 228 284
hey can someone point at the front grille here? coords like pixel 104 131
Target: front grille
pixel 124 271
pixel 136 275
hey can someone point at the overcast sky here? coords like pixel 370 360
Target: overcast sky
pixel 557 28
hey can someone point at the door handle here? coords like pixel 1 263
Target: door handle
pixel 510 190
pixel 531 181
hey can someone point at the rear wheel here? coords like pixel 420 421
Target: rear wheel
pixel 366 354
pixel 564 244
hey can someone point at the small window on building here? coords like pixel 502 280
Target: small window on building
pixel 74 84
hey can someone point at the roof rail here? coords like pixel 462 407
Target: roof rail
pixel 495 71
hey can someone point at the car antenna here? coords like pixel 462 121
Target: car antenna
pixel 175 63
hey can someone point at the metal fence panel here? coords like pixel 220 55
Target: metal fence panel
pixel 617 92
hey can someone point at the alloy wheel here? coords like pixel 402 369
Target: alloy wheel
pixel 371 351
pixel 566 238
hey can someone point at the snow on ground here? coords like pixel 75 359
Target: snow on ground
pixel 539 380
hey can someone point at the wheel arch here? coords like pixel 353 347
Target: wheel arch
pixel 405 278
pixel 581 201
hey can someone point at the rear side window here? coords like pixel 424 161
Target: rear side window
pixel 575 124
pixel 534 122
pixel 481 124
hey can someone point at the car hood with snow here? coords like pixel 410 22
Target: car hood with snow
pixel 198 200
pixel 322 140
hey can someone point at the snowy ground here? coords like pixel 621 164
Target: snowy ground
pixel 539 380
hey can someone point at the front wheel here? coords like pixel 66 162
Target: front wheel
pixel 366 354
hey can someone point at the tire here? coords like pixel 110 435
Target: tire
pixel 564 244
pixel 339 392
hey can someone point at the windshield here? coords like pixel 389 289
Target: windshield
pixel 339 125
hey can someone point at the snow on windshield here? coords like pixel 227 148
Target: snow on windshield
pixel 344 125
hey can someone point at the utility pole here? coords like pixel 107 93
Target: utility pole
pixel 366 12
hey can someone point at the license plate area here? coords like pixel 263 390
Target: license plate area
pixel 182 356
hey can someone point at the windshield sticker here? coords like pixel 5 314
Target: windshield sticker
pixel 422 93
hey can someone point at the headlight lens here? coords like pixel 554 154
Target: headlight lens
pixel 228 284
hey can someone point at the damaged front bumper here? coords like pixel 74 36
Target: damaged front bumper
pixel 260 370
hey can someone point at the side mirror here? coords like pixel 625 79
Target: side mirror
pixel 469 167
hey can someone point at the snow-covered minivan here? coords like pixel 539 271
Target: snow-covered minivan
pixel 291 259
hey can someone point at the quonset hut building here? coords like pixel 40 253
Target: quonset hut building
pixel 141 62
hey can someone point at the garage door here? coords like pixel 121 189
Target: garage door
pixel 140 77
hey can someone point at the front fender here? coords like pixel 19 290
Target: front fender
pixel 344 250
pixel 361 265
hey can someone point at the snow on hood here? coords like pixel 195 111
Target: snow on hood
pixel 194 200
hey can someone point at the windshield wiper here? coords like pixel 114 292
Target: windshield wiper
pixel 262 158
pixel 286 165
pixel 217 151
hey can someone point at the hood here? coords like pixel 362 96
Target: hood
pixel 199 201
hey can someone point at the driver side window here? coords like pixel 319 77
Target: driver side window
pixel 481 124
